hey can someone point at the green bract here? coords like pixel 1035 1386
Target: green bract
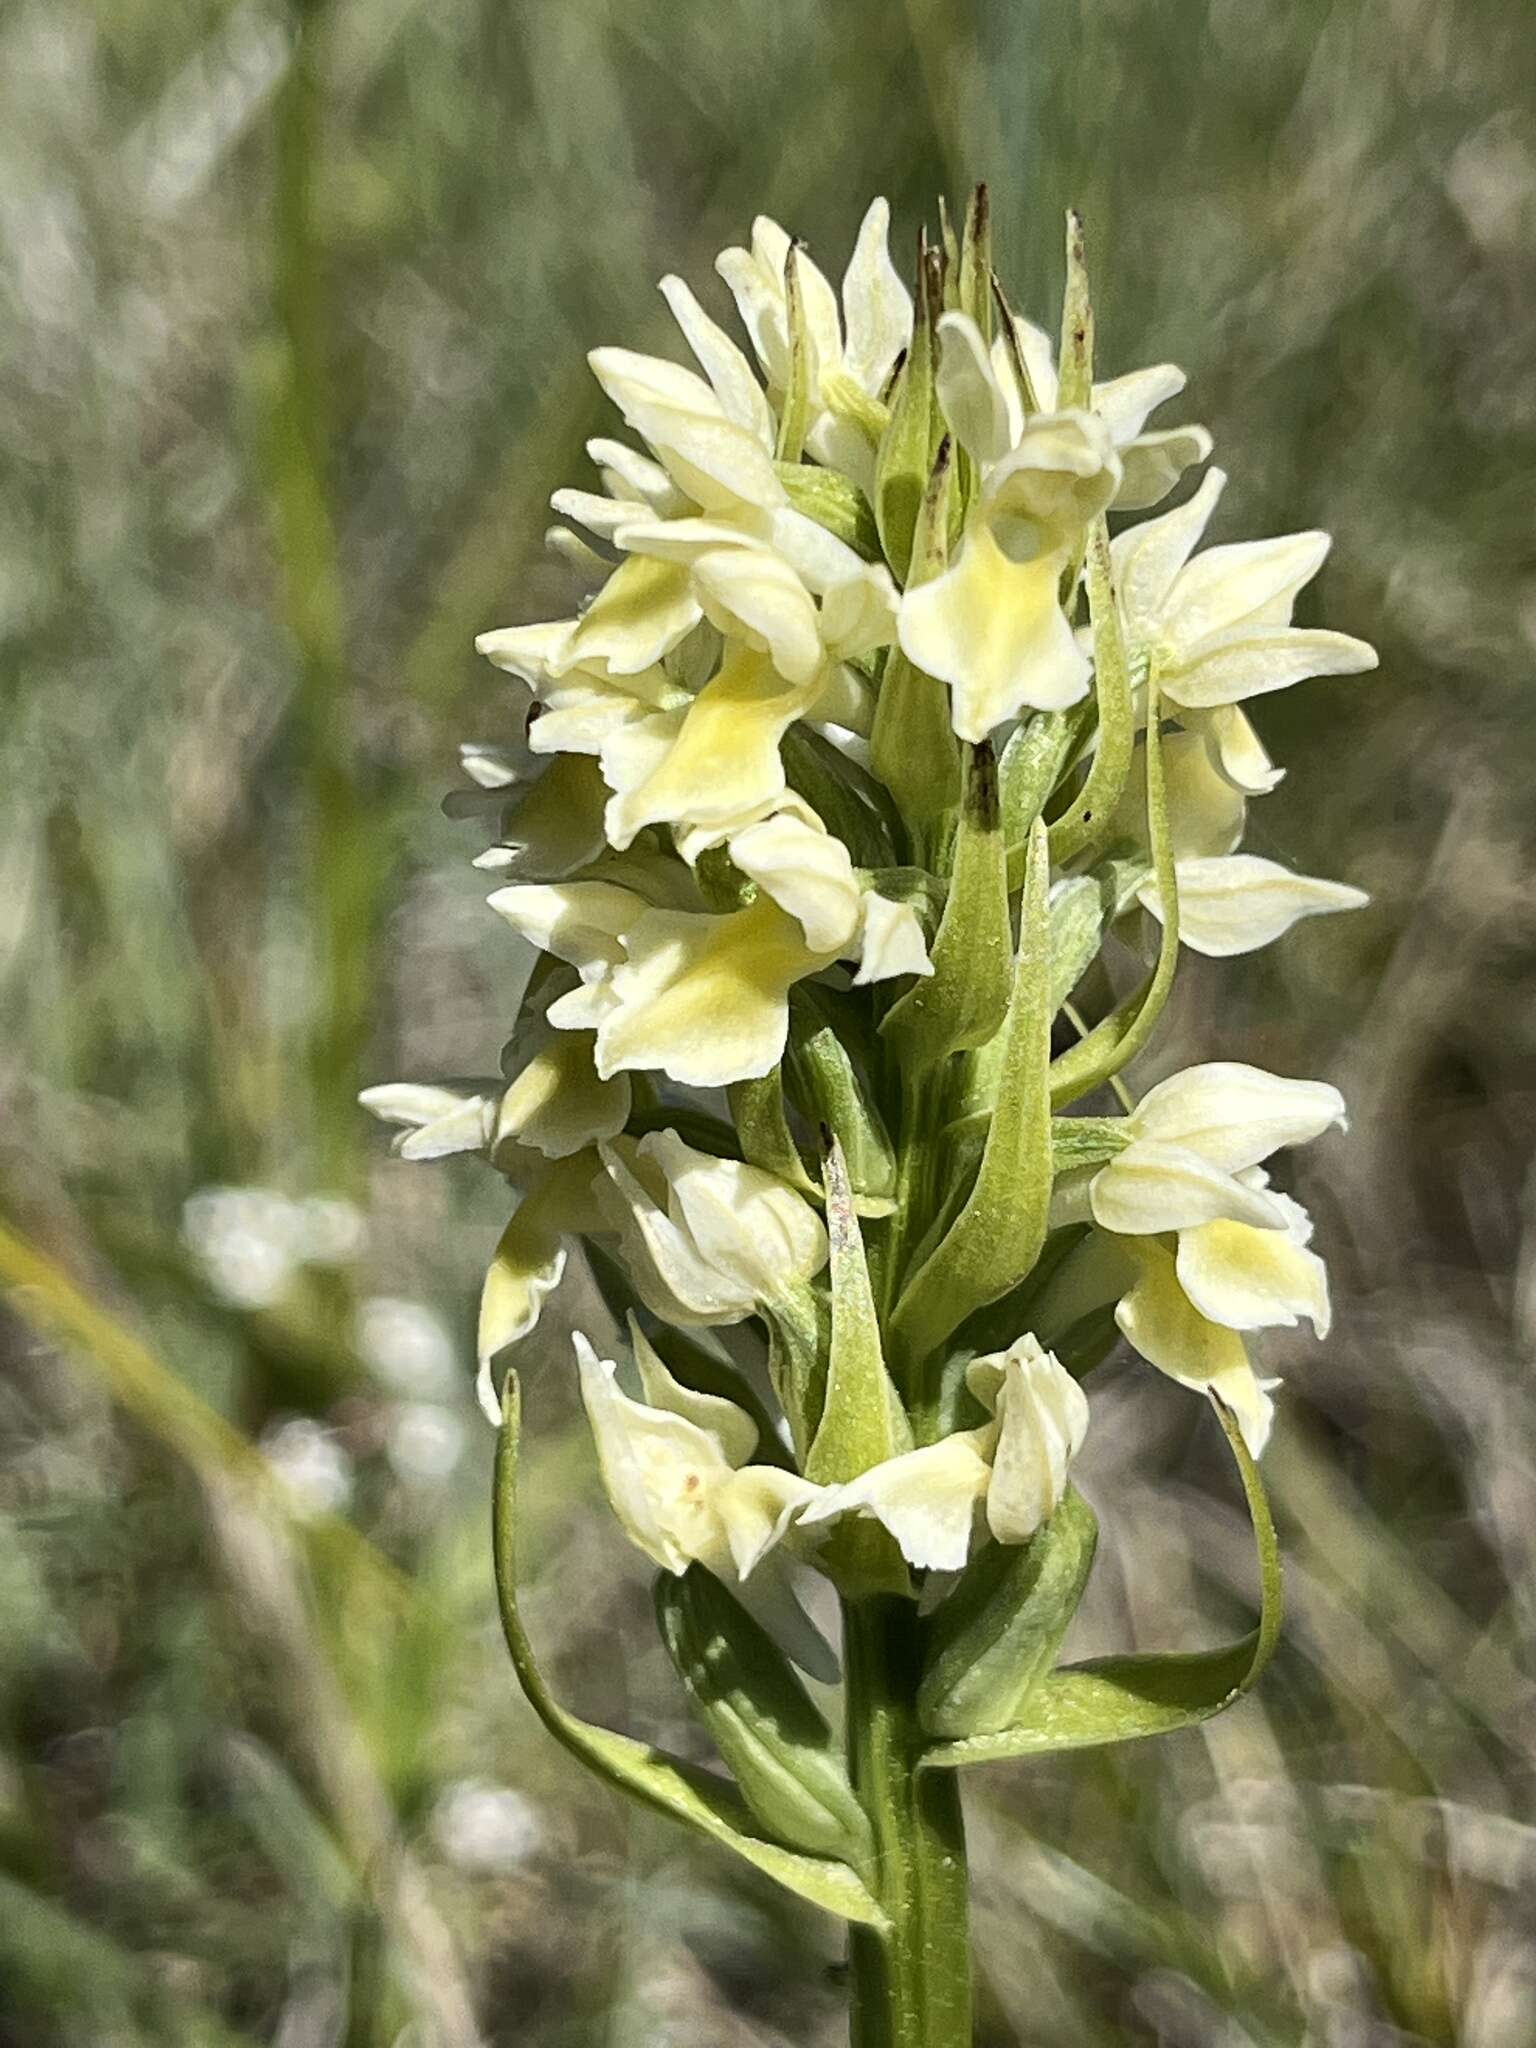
pixel 858 817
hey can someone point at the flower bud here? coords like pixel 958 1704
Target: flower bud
pixel 773 1738
pixel 706 1240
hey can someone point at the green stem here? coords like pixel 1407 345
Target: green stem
pixel 911 1988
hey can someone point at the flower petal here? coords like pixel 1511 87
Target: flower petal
pixel 557 1105
pixel 994 630
pixel 1150 1188
pixel 877 307
pixel 1238 903
pixel 1241 582
pixel 660 1471
pixel 927 1499
pixel 705 998
pixel 1236 1115
pixel 1253 1279
pixel 1235 748
pixel 970 397
pixel 1230 667
pixel 1153 464
pixel 1123 403
pixel 1147 559
pixel 891 940
pixel 1043 1414
pixel 718 759
pixel 1163 1325
pixel 807 872
pixel 731 1427
pixel 641 613
pixel 730 374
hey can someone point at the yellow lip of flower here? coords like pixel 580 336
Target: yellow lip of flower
pixel 1164 1327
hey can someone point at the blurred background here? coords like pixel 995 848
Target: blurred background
pixel 293 306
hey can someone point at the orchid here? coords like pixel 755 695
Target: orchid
pixel 831 819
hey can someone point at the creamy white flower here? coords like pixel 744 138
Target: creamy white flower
pixel 435 1121
pixel 858 349
pixel 674 1469
pixel 1241 1258
pixel 1151 463
pixel 704 996
pixel 1009 1475
pixel 1042 1416
pixel 1229 902
pixel 706 1240
pixel 992 625
pixel 1217 628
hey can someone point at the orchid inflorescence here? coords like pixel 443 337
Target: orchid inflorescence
pixel 857 818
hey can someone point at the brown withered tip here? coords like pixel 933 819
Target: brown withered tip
pixel 981 207
pixel 931 281
pixel 824 1135
pixel 982 792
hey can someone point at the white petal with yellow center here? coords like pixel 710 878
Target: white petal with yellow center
pixel 1253 1279
pixel 994 630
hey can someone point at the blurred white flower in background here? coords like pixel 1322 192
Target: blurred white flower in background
pixel 406 1345
pixel 311 1462
pixel 251 1241
pixel 423 1442
pixel 486 1828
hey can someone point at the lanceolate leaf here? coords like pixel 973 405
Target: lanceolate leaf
pixel 997 1235
pixel 1115 1041
pixel 1120 1699
pixel 670 1786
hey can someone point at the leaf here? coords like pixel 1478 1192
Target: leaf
pixel 773 1737
pixel 862 1421
pixel 1091 810
pixel 912 742
pixel 905 455
pixel 680 1790
pixel 795 412
pixel 1122 1699
pixel 990 1643
pixel 998 1234
pixel 1116 1040
pixel 963 1002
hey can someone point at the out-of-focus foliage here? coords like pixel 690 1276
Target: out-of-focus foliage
pixel 292 315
